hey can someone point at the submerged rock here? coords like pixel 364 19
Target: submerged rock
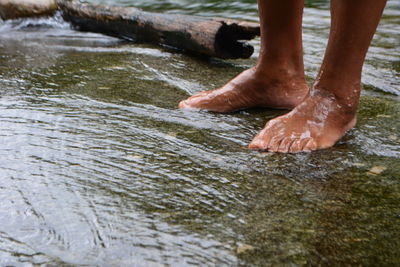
pixel 11 9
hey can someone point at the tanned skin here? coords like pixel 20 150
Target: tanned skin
pixel 321 114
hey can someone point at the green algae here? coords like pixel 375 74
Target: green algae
pixel 99 167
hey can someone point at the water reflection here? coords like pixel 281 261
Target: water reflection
pixel 98 167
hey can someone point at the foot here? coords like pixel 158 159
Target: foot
pixel 251 89
pixel 317 123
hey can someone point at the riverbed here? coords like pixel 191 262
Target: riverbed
pixel 98 166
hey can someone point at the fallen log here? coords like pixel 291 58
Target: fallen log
pixel 206 36
pixel 214 37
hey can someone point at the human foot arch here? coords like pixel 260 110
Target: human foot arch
pixel 251 89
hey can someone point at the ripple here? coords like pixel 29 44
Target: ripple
pixel 99 167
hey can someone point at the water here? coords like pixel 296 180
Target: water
pixel 99 167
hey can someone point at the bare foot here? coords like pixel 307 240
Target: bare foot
pixel 251 89
pixel 317 123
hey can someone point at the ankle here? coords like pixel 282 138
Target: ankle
pixel 280 73
pixel 346 98
pixel 344 87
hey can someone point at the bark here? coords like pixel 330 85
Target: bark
pixel 207 36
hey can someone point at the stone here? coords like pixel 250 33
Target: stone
pixel 12 9
pixel 244 248
pixel 376 170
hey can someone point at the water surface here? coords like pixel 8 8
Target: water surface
pixel 99 167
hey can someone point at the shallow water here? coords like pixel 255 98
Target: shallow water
pixel 99 167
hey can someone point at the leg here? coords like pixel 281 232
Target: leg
pixel 330 108
pixel 278 79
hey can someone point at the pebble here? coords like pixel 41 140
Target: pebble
pixel 244 248
pixel 376 170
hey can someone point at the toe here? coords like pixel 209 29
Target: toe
pixel 310 145
pixel 193 102
pixel 303 142
pixel 188 105
pixel 183 104
pixel 260 141
pixel 275 143
pixel 295 146
pixel 285 144
pixel 257 144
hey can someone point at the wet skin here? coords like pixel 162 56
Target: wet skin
pixel 317 123
pixel 321 117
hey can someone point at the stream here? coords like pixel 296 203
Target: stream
pixel 98 166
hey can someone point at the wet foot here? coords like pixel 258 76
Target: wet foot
pixel 251 89
pixel 317 123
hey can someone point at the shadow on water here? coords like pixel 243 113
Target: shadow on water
pixel 99 167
